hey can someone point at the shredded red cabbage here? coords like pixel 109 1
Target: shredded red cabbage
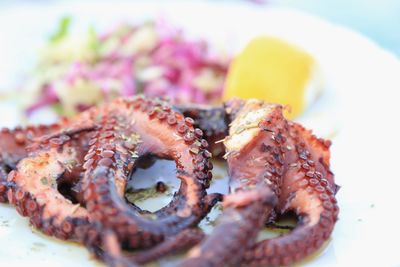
pixel 154 59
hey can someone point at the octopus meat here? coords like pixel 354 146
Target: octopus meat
pixel 264 150
pixel 13 148
pixel 133 129
pixel 36 185
pixel 70 179
pixel 67 155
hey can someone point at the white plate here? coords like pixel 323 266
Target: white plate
pixel 359 104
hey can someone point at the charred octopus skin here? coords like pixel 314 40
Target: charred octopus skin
pixel 132 129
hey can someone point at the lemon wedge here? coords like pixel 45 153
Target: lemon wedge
pixel 275 71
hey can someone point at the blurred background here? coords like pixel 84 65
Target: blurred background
pixel 63 44
pixel 379 20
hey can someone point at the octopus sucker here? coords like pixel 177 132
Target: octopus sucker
pixel 136 128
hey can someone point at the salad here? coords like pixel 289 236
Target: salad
pixel 154 58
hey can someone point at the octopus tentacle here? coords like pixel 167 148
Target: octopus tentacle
pixel 182 241
pixel 13 144
pixel 255 155
pixel 145 127
pixel 35 192
pixel 308 190
pixel 178 200
pixel 236 230
pixel 318 150
pixel 112 253
pixel 105 245
pixel 302 180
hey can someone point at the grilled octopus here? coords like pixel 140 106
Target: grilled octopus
pixel 108 149
pixel 263 149
pixel 133 129
pixel 70 178
pixel 13 148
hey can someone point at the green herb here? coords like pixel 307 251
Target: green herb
pixel 44 181
pixel 62 30
pixel 58 108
